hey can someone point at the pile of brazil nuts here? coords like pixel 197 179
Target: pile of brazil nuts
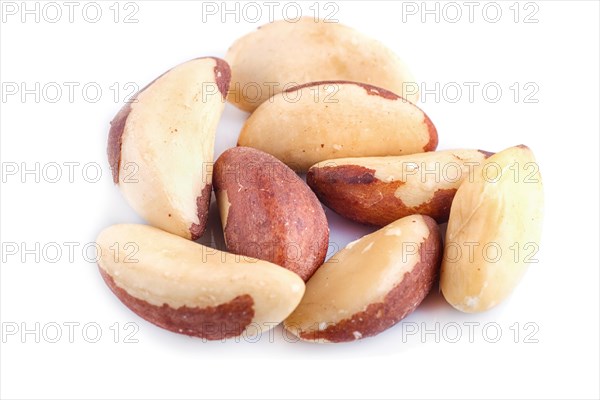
pixel 367 154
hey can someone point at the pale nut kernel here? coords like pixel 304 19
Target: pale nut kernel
pixel 371 284
pixel 284 54
pixel 495 222
pixel 191 289
pixel 337 119
pixel 160 142
pixel 380 190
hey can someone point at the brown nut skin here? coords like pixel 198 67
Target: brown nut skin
pixel 370 285
pixel 211 322
pixel 167 130
pixel 191 289
pixel 319 121
pixel 379 190
pixel 268 212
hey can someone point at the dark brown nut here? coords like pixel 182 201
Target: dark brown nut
pixel 268 212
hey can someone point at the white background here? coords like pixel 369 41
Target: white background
pixel 558 297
